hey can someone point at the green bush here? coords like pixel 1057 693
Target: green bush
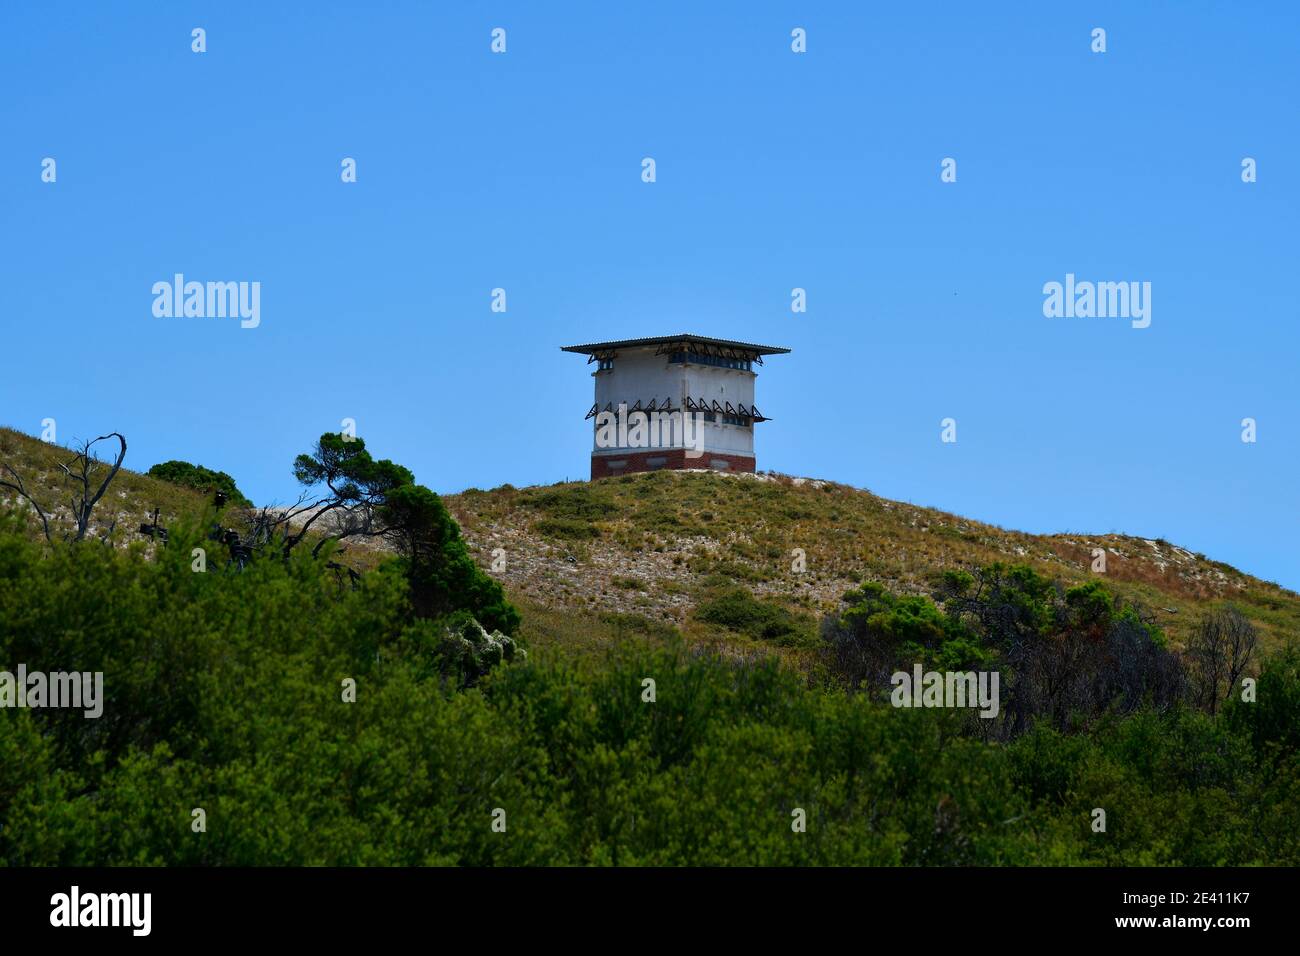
pixel 203 479
pixel 738 610
pixel 444 578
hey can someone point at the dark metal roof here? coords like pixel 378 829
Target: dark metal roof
pixel 685 338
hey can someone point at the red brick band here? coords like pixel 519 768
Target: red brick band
pixel 605 466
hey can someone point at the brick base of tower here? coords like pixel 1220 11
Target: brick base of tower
pixel 607 466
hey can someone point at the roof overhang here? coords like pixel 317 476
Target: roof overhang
pixel 700 344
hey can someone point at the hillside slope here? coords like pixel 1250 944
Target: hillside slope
pixel 644 551
pixel 657 544
pixel 129 501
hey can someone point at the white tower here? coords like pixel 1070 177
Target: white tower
pixel 676 401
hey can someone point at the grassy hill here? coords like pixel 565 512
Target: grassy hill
pixel 130 500
pixel 590 562
pixel 664 544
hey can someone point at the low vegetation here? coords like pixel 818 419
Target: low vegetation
pixel 686 696
pixel 680 531
pixel 225 694
pixel 203 479
pixel 1067 658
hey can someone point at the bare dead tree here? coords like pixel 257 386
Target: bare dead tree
pixel 351 514
pixel 274 527
pixel 82 472
pixel 353 521
pixel 1218 652
pixel 287 524
pixel 263 526
pixel 87 462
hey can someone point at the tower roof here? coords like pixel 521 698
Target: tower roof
pixel 667 342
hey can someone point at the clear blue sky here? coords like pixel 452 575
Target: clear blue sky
pixel 775 170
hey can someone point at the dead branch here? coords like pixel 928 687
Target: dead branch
pixel 17 485
pixel 86 461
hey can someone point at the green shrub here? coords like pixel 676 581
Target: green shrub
pixel 203 479
pixel 738 610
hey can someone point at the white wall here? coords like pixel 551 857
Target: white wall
pixel 641 375
pixel 723 385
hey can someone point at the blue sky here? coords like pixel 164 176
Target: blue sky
pixel 775 170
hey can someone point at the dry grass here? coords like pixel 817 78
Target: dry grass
pixel 129 501
pixel 653 544
pixel 594 561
